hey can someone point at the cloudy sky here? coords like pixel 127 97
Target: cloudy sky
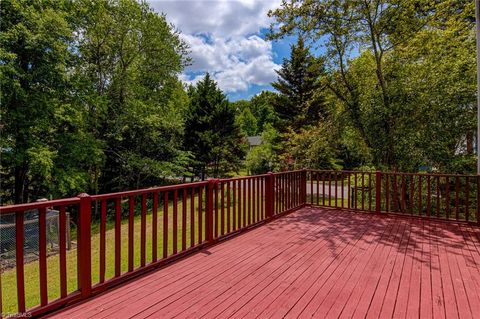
pixel 227 39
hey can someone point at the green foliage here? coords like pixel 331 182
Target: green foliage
pixel 255 114
pixel 264 158
pixel 312 148
pixel 90 98
pixel 211 134
pixel 247 122
pixel 297 104
pixel 400 74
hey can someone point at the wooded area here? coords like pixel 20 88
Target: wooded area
pixel 92 99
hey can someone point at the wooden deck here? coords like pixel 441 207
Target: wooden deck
pixel 313 263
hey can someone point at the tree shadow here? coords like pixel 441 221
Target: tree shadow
pixel 423 240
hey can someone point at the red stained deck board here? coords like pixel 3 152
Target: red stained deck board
pixel 201 300
pixel 314 262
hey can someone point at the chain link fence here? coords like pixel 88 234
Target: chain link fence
pixel 31 237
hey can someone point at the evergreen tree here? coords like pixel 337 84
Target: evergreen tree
pixel 211 133
pixel 298 103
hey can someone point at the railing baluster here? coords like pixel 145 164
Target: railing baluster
pixel 355 191
pixel 165 225
pixel 262 196
pixel 363 190
pixel 235 204
pixel 192 217
pixel 336 188
pixel 348 191
pixel 222 193
pixel 467 199
pixel 131 222
pixel 244 216
pixel 229 216
pixel 143 230
pixel 103 222
pixel 249 201
pixel 184 219
pixel 438 197
pixel 63 251
pixel 457 204
pixel 175 222
pixel 200 213
pixel 311 187
pixel 215 220
pixel 429 200
pixel 343 194
pixel 420 204
pixel 323 188
pixel 239 206
pixel 378 191
pixel 477 211
pixel 42 256
pixel 395 193
pixel 154 226
pixel 330 189
pixel 412 196
pixel 447 197
pixel 118 227
pixel 19 261
pixel 259 216
pixel 387 192
pixel 370 192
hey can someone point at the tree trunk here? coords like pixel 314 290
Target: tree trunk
pixel 19 184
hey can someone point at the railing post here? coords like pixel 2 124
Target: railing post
pixel 269 194
pixel 478 200
pixel 303 185
pixel 378 191
pixel 84 245
pixel 209 210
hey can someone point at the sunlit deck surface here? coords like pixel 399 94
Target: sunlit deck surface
pixel 313 263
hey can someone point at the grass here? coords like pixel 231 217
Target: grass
pixel 32 286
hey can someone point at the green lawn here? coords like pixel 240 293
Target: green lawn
pixel 32 291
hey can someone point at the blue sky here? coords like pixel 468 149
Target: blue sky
pixel 227 39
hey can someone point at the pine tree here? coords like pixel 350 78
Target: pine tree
pixel 299 102
pixel 211 134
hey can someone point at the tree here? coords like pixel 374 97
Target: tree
pixel 129 61
pixel 387 66
pixel 247 122
pixel 46 148
pixel 297 104
pixel 255 114
pixel 312 147
pixel 211 134
pixel 261 106
pixel 91 99
pixel 264 158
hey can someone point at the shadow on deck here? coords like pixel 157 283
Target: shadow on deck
pixel 313 263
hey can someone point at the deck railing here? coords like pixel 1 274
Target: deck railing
pixel 122 235
pixel 443 196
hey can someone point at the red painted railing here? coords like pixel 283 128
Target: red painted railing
pixel 443 196
pixel 122 235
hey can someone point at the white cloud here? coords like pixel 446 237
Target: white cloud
pixel 219 17
pixel 224 40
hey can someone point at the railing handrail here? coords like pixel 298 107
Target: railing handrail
pixel 37 205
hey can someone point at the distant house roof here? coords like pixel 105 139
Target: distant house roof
pixel 254 140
